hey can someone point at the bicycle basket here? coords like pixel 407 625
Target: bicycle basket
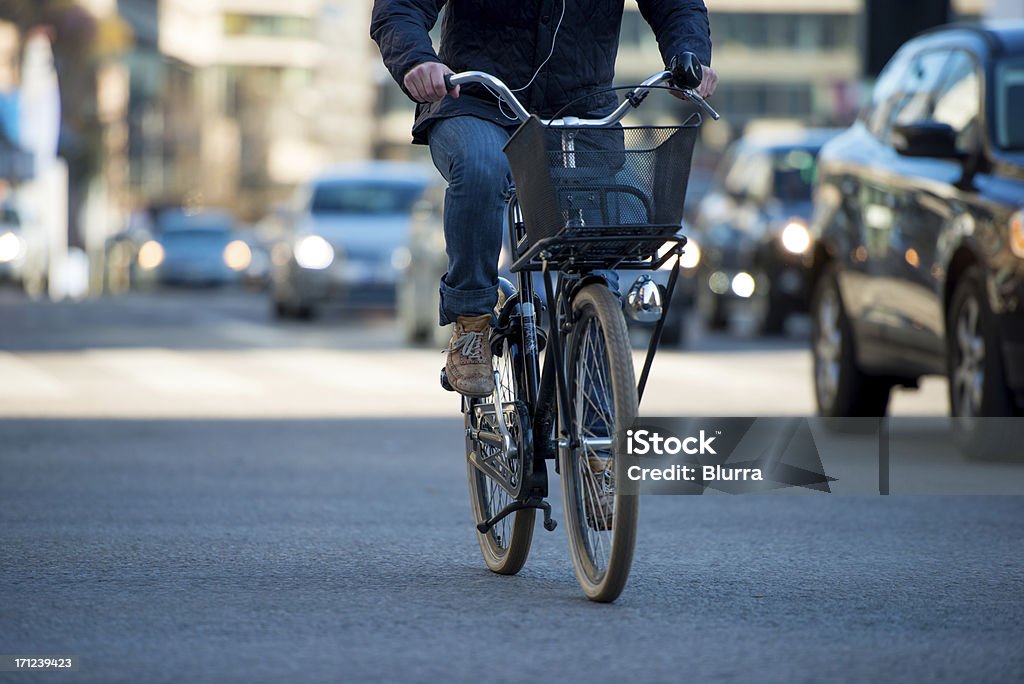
pixel 600 196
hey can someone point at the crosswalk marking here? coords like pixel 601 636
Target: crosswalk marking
pixel 173 372
pixel 295 382
pixel 21 378
pixel 344 370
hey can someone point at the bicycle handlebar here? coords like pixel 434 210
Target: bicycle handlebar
pixel 632 101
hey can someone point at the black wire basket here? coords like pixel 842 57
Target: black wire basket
pixel 599 197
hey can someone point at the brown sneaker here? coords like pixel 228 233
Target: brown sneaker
pixel 469 356
pixel 600 506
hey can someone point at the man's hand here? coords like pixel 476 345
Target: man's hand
pixel 710 82
pixel 426 82
pixel 707 85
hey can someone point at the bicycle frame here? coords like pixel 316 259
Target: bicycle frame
pixel 547 391
pixel 547 388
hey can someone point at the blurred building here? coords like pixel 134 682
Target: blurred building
pixel 793 60
pixel 233 102
pixel 11 160
pixel 788 59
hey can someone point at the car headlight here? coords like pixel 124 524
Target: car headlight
pixel 743 285
pixel 10 247
pixel 796 238
pixel 237 255
pixel 690 257
pixel 151 255
pixel 401 258
pixel 314 253
pixel 1017 234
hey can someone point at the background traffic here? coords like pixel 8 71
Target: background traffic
pixel 880 221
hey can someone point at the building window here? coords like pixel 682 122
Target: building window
pixel 785 31
pixel 746 100
pixel 268 25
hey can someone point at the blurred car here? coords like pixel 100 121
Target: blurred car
pixel 919 260
pixel 24 249
pixel 194 248
pixel 13 246
pixel 347 237
pixel 419 298
pixel 752 226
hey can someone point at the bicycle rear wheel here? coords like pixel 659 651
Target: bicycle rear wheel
pixel 506 546
pixel 601 522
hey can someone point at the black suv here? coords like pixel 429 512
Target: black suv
pixel 752 229
pixel 919 260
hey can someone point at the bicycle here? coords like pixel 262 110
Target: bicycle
pixel 589 194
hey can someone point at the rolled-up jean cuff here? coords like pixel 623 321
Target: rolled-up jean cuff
pixel 455 303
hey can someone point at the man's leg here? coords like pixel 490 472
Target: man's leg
pixel 468 153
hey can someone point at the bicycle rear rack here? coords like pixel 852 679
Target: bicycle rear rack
pixel 635 248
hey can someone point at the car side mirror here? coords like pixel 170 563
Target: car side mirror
pixel 926 139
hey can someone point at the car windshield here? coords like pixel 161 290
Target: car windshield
pixel 1009 123
pixel 794 171
pixel 213 222
pixel 365 198
pixel 196 240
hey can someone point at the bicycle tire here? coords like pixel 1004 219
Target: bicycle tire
pixel 506 546
pixel 599 333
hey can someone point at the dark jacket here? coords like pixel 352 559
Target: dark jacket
pixel 511 39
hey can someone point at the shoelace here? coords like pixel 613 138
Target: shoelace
pixel 470 344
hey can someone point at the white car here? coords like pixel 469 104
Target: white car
pixel 346 238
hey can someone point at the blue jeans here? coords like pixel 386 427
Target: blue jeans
pixel 468 153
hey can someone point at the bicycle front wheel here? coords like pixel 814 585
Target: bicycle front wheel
pixel 505 546
pixel 600 521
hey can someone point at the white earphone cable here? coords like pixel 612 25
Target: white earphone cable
pixel 554 42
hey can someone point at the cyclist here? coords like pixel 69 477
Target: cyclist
pixel 550 52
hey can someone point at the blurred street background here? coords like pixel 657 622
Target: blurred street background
pixel 223 443
pixel 231 105
pixel 195 165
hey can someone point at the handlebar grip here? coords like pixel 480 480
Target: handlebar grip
pixel 448 83
pixel 687 71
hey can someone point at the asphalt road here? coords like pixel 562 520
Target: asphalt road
pixel 250 534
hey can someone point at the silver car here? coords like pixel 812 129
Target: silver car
pixel 346 239
pixel 12 244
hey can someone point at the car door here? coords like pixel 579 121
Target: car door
pixel 722 211
pixel 896 224
pixel 842 205
pixel 931 199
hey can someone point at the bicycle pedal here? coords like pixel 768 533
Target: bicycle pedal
pixel 447 386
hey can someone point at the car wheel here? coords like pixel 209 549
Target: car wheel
pixel 841 388
pixel 977 381
pixel 282 311
pixel 771 310
pixel 673 333
pixel 305 312
pixel 711 309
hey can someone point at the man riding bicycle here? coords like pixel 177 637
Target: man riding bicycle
pixel 552 54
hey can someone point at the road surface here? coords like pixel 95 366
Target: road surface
pixel 191 492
